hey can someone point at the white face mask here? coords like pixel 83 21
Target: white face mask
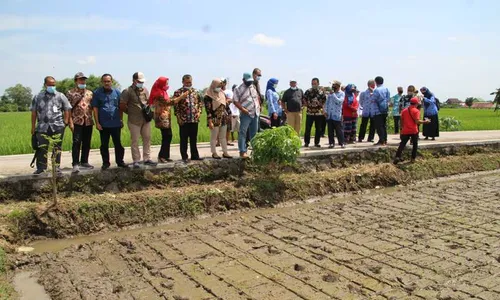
pixel 293 88
pixel 275 85
pixel 217 89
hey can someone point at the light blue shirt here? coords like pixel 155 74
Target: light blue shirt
pixel 365 101
pixel 380 100
pixel 273 105
pixel 333 106
pixel 395 104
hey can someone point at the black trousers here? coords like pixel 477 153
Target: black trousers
pixel 275 123
pixel 113 133
pixel 323 128
pixel 166 139
pixel 362 129
pixel 189 131
pixel 335 127
pixel 381 126
pixel 404 140
pixel 318 126
pixel 396 124
pixel 82 135
pixel 43 143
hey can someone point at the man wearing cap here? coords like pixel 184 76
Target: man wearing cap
pixel 132 101
pixel 80 122
pixel 410 120
pixel 246 99
pixel 292 100
pixel 50 113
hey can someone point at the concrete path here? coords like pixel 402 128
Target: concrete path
pixel 12 165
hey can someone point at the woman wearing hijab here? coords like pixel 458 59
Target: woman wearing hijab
pixel 431 130
pixel 273 103
pixel 161 101
pixel 215 104
pixel 350 113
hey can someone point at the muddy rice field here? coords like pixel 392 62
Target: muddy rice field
pixel 434 240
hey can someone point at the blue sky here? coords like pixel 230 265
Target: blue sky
pixel 452 47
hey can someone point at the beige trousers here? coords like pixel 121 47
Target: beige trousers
pixel 294 119
pixel 221 133
pixel 136 132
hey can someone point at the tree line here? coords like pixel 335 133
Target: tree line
pixel 19 97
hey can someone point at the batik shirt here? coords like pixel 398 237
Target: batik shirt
pixel 81 101
pixel 314 100
pixel 188 110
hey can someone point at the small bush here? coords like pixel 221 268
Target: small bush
pixel 279 145
pixel 449 124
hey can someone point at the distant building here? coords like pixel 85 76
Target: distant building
pixel 483 105
pixel 454 101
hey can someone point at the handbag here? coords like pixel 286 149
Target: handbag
pixel 147 112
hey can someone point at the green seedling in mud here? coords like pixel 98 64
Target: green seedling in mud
pixel 54 150
pixel 279 145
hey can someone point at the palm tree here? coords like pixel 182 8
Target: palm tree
pixel 497 99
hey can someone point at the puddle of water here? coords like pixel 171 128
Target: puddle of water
pixel 27 287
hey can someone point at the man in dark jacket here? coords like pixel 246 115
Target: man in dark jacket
pixel 292 99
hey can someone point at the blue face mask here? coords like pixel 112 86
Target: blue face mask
pixel 139 85
pixel 82 86
pixel 51 89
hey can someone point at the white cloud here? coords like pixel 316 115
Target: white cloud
pixel 452 38
pixel 89 60
pixel 267 41
pixel 412 57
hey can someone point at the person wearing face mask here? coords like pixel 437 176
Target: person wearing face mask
pixel 80 122
pixel 273 103
pixel 431 110
pixel 160 99
pixel 350 114
pixel 314 99
pixel 50 113
pixel 333 114
pixel 257 75
pixel 366 116
pixel 132 101
pixel 394 103
pixel 215 105
pixel 188 105
pixel 292 100
pixel 246 99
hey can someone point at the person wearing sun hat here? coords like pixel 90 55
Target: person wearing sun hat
pixel 410 120
pixel 246 99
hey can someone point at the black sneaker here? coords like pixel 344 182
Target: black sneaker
pixel 331 147
pixel 105 167
pixel 38 172
pixel 317 146
pixel 122 165
pixel 186 160
pixel 198 158
pixel 150 163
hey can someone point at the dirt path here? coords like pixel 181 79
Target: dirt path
pixel 437 240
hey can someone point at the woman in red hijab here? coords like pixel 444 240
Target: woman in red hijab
pixel 161 101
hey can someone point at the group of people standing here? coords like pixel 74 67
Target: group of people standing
pixel 228 111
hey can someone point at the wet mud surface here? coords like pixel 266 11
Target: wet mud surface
pixel 438 240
